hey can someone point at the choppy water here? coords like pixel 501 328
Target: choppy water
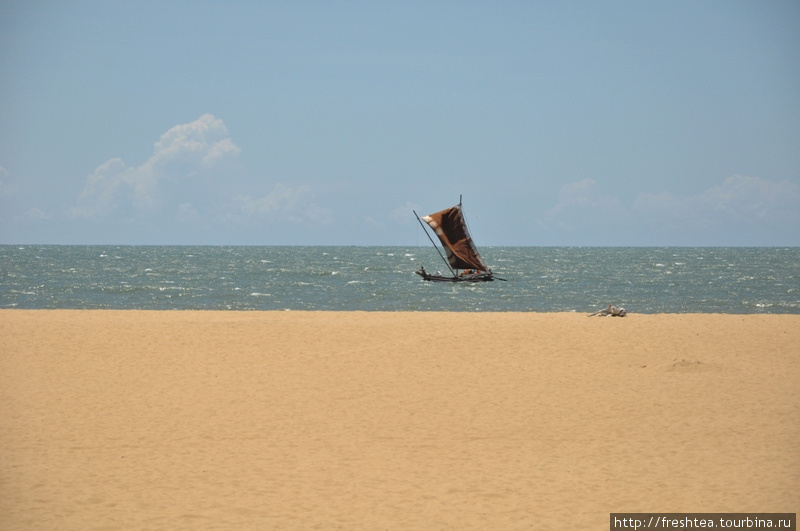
pixel 643 280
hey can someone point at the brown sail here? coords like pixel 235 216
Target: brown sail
pixel 450 227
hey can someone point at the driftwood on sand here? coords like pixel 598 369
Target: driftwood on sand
pixel 611 311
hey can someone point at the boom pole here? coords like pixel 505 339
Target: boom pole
pixel 434 244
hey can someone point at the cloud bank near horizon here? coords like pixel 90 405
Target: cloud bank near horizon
pixel 188 178
pixel 739 199
pixel 187 155
pixel 741 204
pixel 194 179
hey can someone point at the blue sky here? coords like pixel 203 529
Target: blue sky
pixel 326 123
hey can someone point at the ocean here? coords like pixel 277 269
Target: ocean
pixel 538 279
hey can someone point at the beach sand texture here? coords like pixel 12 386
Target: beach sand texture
pixel 136 420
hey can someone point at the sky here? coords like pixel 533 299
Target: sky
pixel 575 123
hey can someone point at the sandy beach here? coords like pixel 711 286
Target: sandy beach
pixel 137 420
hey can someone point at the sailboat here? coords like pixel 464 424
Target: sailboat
pixel 463 259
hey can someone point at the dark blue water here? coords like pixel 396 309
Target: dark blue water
pixel 643 280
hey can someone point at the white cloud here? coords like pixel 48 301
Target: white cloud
pixel 188 214
pixel 399 216
pixel 582 202
pixel 292 204
pixel 185 153
pixel 741 211
pixel 190 148
pixel 739 200
pixel 187 180
pixel 6 189
pixel 36 214
pixel 403 214
pixel 101 194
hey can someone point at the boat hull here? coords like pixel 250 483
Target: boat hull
pixel 484 276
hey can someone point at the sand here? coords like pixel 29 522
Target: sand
pixel 138 420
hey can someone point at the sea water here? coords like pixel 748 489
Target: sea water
pixel 541 279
